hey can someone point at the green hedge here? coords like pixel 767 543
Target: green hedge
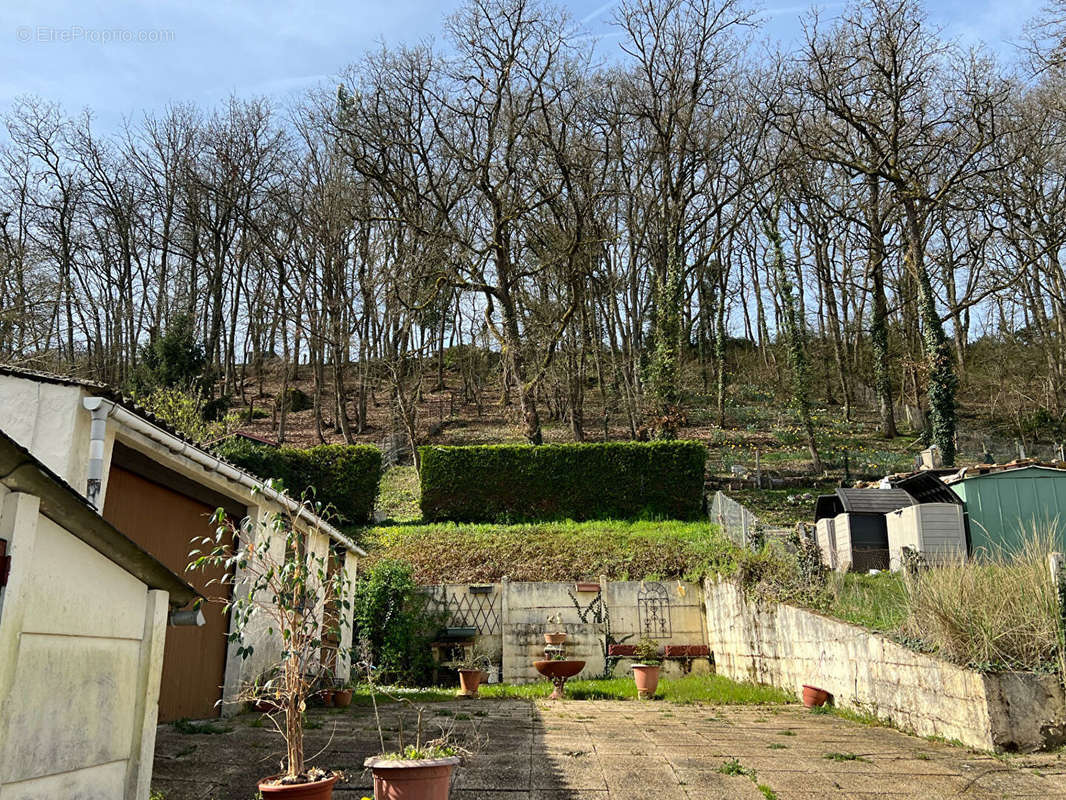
pixel 344 476
pixel 617 480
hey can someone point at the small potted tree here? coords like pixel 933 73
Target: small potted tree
pixel 418 770
pixel 646 670
pixel 282 588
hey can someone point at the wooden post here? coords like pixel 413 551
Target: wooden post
pixel 758 468
pixel 1058 579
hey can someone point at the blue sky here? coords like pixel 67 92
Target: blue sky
pixel 122 58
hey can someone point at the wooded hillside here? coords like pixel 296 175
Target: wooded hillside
pixel 860 236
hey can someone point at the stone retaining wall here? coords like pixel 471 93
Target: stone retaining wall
pixel 787 647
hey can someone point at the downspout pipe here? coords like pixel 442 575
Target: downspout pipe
pixel 100 409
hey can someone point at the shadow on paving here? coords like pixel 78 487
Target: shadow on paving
pixel 610 750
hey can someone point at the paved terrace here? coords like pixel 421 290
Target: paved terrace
pixel 609 750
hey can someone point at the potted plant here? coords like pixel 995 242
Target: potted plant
pixel 327 695
pixel 342 697
pixel 419 770
pixel 646 670
pixel 555 638
pixel 282 587
pixel 472 672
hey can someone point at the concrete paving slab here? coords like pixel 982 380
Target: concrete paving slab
pixel 603 750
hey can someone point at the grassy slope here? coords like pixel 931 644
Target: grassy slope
pixel 556 551
pixel 877 601
pixel 562 551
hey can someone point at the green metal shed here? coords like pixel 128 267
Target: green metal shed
pixel 1005 505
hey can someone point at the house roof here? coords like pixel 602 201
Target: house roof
pixel 65 506
pixel 861 501
pixel 183 443
pixel 100 389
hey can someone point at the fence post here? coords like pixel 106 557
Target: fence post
pixel 507 668
pixel 1057 565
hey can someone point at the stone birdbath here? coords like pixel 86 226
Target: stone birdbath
pixel 555 667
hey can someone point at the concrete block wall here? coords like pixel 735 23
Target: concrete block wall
pixel 81 654
pixel 671 612
pixel 523 643
pixel 785 646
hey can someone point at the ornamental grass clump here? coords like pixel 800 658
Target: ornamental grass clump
pixel 993 614
pixel 284 588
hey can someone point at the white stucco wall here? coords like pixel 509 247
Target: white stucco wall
pixel 49 421
pixel 79 681
pixel 513 617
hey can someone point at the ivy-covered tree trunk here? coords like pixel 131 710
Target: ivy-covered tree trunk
pixel 795 339
pixel 664 367
pixel 879 320
pixel 943 381
pixel 719 351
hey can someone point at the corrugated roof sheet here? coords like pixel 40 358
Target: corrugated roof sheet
pixel 926 487
pixel 988 469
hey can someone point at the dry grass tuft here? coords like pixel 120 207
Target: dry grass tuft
pixel 995 614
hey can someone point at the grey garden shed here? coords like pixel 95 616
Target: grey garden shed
pixel 851 526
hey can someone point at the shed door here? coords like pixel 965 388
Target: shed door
pixel 869 542
pixel 162 521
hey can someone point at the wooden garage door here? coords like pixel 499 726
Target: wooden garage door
pixel 163 521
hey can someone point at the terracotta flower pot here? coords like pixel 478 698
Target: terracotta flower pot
pixel 326 696
pixel 264 706
pixel 469 680
pixel 342 698
pixel 813 696
pixel 647 679
pixel 554 638
pixel 427 779
pixel 315 790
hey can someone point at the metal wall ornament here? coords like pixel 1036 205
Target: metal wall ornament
pixel 653 611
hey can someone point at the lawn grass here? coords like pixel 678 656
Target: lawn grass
pixel 554 551
pixel 687 690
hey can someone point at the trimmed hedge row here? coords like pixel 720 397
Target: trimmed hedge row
pixel 344 476
pixel 614 480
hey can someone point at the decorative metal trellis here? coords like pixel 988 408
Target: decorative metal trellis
pixel 653 611
pixel 466 609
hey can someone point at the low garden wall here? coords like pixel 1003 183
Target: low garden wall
pixel 787 647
